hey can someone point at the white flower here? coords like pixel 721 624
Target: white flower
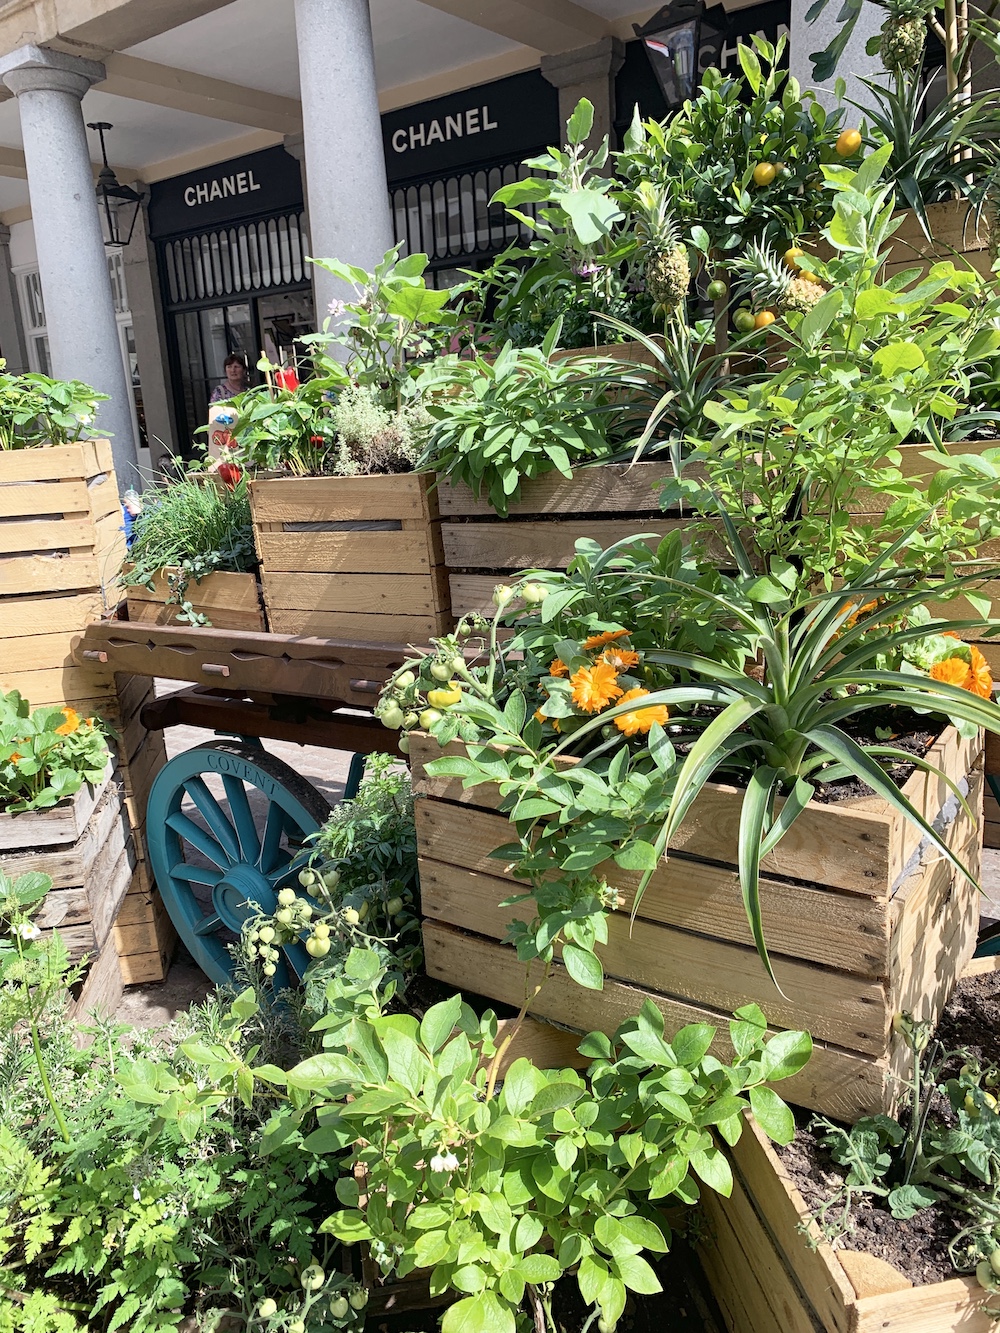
pixel 336 308
pixel 29 932
pixel 444 1162
pixel 135 1193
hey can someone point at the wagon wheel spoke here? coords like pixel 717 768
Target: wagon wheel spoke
pixel 271 853
pixel 199 839
pixel 242 817
pixel 196 874
pixel 209 925
pixel 214 816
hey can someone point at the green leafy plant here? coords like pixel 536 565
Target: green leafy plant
pixel 36 410
pixel 499 422
pixel 46 754
pixel 502 1190
pixel 285 423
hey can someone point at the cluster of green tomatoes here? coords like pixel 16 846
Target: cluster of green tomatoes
pixel 334 1302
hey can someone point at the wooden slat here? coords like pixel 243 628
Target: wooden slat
pixel 45 534
pixel 844 1084
pixel 69 863
pixel 87 458
pixel 47 614
pixel 839 1007
pixel 956 1306
pixel 49 497
pixel 547 544
pixel 222 590
pixel 58 685
pixel 35 652
pixel 371 594
pixel 157 613
pixel 388 629
pixel 345 552
pixel 46 574
pixel 591 490
pixel 817 925
pixel 101 989
pixel 62 823
pixel 340 499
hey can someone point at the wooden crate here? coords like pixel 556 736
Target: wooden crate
pixel 957 237
pixel 352 557
pixel 84 844
pixel 61 546
pixel 770 1268
pixel 861 920
pixel 605 503
pixel 99 990
pixel 226 600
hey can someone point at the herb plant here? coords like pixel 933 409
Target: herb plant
pixel 36 410
pixel 46 754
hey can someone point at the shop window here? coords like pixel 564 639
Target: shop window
pixel 451 217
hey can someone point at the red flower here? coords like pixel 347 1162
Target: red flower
pixel 286 378
pixel 230 474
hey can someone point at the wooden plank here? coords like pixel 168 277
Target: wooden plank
pixel 222 590
pixel 953 226
pixel 47 614
pixel 68 864
pixel 341 499
pixel 817 925
pixel 36 652
pixel 59 685
pixel 45 534
pixel 605 489
pixel 52 463
pixel 547 544
pixel 357 594
pixel 100 990
pixel 62 823
pixel 48 573
pixel 142 969
pixel 545 1046
pixel 389 629
pixel 839 1007
pixel 43 497
pixel 157 613
pixel 400 552
pixel 956 1306
pixel 844 1084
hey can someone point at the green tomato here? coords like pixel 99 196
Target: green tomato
pixel 267 934
pixel 985 1275
pixel 400 920
pixel 316 947
pixel 363 911
pixel 534 593
pixel 404 680
pixel 269 969
pixel 321 931
pixel 410 721
pixel 285 915
pixel 312 1278
pixel 502 594
pixel 297 1326
pixel 403 745
pixel 267 1308
pixel 358 1299
pixel 428 717
pixel 995 1262
pixel 331 877
pixel 339 1307
pixel 457 664
pixel 287 896
pixel 441 670
pixel 392 717
pixel 351 916
pixel 307 878
pixel 606 1325
pixel 393 906
pixel 305 911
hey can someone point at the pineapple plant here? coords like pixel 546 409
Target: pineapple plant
pixel 901 41
pixel 666 265
pixel 772 281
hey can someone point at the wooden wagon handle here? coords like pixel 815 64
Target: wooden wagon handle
pixel 94 655
pixel 214 669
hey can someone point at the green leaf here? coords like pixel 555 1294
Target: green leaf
pixel 711 1166
pixel 484 1313
pixel 581 122
pixel 637 1275
pixel 419 305
pixel 535 1268
pixel 527 1233
pixel 583 966
pixel 439 1022
pixel 641 1231
pixel 691 1043
pixel 321 1071
pixel 773 1116
pixel 348 1226
pixel 637 855
pixel 554 1095
pixel 896 357
pixel 785 1054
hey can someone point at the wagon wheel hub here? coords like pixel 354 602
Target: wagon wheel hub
pixel 236 893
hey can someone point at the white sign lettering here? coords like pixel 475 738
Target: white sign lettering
pixel 220 187
pixel 476 120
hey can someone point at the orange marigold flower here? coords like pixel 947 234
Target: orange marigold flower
pixel 558 668
pixel 952 671
pixel 14 758
pixel 641 719
pixel 71 724
pixel 602 640
pixel 595 687
pixel 981 678
pixel 861 611
pixel 552 721
pixel 620 658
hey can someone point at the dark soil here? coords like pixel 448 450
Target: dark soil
pixel 918 1246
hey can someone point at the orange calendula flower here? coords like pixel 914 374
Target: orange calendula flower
pixel 981 678
pixel 602 640
pixel 641 719
pixel 952 671
pixel 71 724
pixel 595 687
pixel 552 721
pixel 15 758
pixel 558 668
pixel 861 611
pixel 620 658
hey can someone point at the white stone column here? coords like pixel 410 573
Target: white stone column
pixel 348 192
pixel 12 345
pixel 855 64
pixel 588 72
pixel 72 261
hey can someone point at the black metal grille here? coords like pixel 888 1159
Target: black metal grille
pixel 451 217
pixel 249 257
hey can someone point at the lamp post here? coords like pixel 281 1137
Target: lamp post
pixel 673 39
pixel 114 199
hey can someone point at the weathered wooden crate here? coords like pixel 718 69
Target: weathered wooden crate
pixel 770 1268
pixel 61 546
pixel 352 557
pixel 957 234
pixel 862 921
pixel 604 503
pixel 84 844
pixel 225 599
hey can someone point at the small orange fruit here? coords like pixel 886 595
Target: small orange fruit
pixel 792 256
pixel 764 173
pixel 848 143
pixel 809 276
pixel 763 318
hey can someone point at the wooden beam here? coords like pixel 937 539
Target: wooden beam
pixel 180 90
pixel 548 26
pixel 12 164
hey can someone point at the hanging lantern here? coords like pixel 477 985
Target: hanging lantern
pixel 119 204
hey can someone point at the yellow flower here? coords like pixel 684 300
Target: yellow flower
pixel 620 658
pixel 953 671
pixel 595 687
pixel 15 758
pixel 552 721
pixel 981 678
pixel 641 719
pixel 861 611
pixel 558 668
pixel 71 724
pixel 602 640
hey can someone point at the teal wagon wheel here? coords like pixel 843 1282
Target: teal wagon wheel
pixel 225 824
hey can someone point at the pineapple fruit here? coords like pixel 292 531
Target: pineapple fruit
pixel 901 45
pixel 666 263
